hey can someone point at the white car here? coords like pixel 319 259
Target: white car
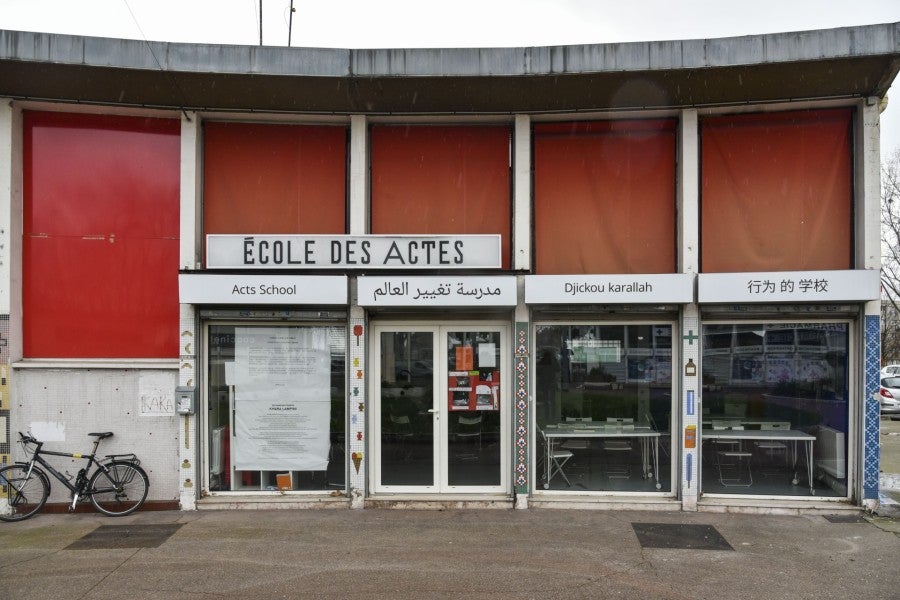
pixel 889 395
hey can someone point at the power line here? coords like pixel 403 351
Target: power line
pixel 168 73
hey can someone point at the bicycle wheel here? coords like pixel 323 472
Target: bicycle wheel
pixel 23 494
pixel 120 492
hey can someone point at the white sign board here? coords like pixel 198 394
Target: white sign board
pixel 261 289
pixel 436 291
pixel 790 286
pixel 352 252
pixel 676 288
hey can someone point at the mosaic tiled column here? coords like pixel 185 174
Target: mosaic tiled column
pixel 521 471
pixel 872 410
pixel 5 443
pixel 689 373
pixel 357 409
pixel 187 377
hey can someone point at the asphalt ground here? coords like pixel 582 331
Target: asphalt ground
pixel 420 554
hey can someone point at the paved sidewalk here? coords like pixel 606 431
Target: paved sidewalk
pixel 396 554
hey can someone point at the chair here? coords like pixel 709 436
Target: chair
pixel 469 429
pixel 616 452
pixel 402 433
pixel 664 439
pixel 772 447
pixel 577 445
pixel 558 458
pixel 732 459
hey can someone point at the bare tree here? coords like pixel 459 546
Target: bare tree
pixel 890 262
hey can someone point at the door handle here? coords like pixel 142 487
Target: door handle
pixel 432 410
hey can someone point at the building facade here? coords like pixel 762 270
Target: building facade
pixel 620 275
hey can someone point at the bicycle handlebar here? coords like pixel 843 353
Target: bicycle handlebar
pixel 27 438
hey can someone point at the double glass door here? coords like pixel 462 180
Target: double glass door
pixel 440 408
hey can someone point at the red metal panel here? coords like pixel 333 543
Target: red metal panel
pixel 434 179
pixel 604 197
pixel 263 178
pixel 777 191
pixel 100 248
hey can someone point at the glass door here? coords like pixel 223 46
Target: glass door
pixel 407 417
pixel 439 409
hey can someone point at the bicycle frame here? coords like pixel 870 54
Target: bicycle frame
pixel 76 488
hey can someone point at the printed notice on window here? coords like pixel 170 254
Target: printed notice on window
pixel 282 400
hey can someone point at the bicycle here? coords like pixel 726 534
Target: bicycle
pixel 118 486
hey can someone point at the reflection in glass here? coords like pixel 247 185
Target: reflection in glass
pixel 772 391
pixel 603 407
pixel 407 399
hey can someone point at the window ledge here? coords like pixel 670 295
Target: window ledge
pixel 97 363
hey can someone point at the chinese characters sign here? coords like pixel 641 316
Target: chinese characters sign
pixel 790 286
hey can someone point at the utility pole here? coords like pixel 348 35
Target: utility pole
pixel 290 23
pixel 260 22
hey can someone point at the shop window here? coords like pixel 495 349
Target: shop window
pixel 274 179
pixel 441 180
pixel 100 236
pixel 604 407
pixel 775 409
pixel 776 192
pixel 604 197
pixel 276 408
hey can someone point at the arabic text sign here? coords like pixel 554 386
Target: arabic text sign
pixel 436 291
pixel 790 286
pixel 352 251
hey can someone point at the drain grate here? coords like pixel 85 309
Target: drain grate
pixel 680 537
pixel 854 518
pixel 111 537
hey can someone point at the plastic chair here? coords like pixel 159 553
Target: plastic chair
pixel 617 452
pixel 469 428
pixel 771 448
pixel 402 433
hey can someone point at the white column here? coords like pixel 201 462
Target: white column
pixel 521 234
pixel 10 263
pixel 688 361
pixel 358 446
pixel 11 233
pixel 867 165
pixel 190 453
pixel 359 214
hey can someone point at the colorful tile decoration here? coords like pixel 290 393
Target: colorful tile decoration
pixel 5 400
pixel 187 376
pixel 872 409
pixel 690 356
pixel 357 405
pixel 521 413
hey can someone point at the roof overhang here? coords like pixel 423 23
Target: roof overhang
pixel 852 62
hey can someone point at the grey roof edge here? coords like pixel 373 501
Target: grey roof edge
pixel 812 45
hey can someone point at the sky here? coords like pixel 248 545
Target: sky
pixel 456 24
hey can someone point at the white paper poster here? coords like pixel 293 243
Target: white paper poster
pixel 282 403
pixel 156 393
